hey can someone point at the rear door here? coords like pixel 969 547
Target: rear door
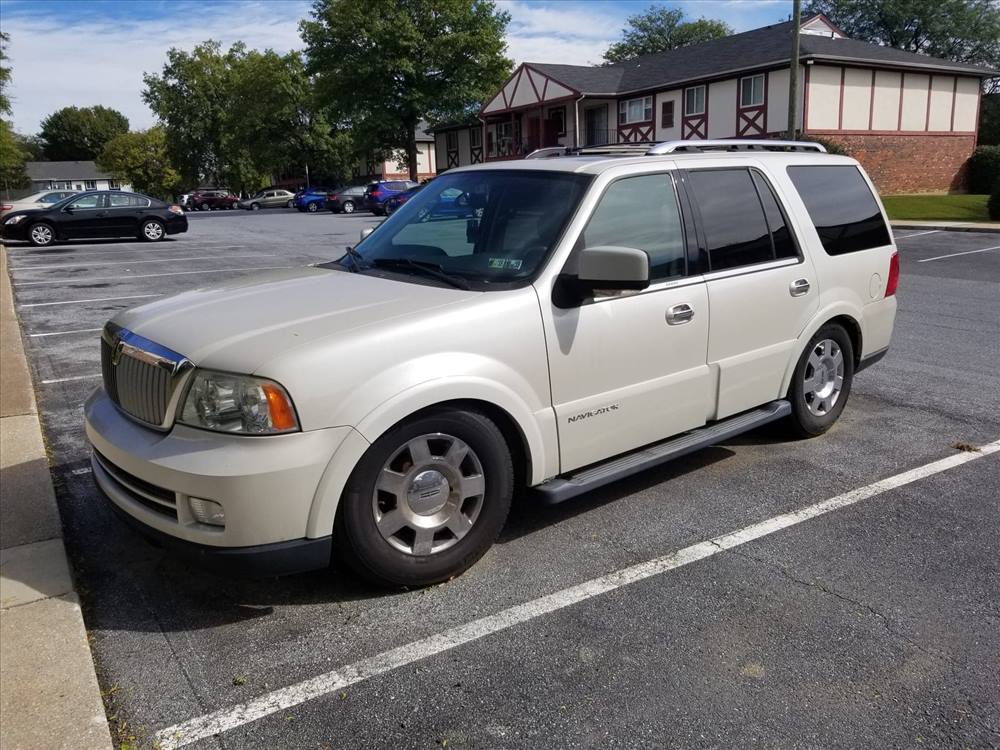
pixel 762 289
pixel 124 214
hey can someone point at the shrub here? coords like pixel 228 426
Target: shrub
pixel 984 169
pixel 993 206
pixel 832 147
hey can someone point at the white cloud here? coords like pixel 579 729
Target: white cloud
pixel 568 33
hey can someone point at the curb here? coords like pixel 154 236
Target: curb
pixel 49 694
pixel 985 229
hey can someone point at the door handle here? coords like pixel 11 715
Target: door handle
pixel 798 287
pixel 678 314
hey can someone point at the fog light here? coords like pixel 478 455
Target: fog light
pixel 207 511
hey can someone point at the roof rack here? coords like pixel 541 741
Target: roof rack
pixel 733 144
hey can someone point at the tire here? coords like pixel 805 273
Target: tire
pixel 348 207
pixel 41 234
pixel 429 552
pixel 290 204
pixel 312 207
pixel 152 230
pixel 255 207
pixel 821 383
pixel 204 207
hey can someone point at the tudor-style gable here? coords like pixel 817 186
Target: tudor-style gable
pixel 528 87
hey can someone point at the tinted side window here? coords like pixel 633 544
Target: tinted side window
pixel 641 212
pixel 732 218
pixel 841 206
pixel 784 245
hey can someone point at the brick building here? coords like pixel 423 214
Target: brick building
pixel 910 119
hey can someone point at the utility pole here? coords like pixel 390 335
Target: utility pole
pixel 793 72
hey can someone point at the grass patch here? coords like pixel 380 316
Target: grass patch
pixel 937 207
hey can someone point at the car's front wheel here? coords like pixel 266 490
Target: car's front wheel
pixel 152 231
pixel 822 381
pixel 255 207
pixel 348 207
pixel 312 207
pixel 205 207
pixel 41 235
pixel 290 204
pixel 427 499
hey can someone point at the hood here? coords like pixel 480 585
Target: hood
pixel 239 325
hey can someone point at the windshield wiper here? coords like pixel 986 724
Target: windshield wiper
pixel 424 267
pixel 356 259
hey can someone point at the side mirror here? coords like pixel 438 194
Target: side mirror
pixel 605 268
pixel 68 209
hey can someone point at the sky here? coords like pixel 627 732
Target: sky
pixel 88 52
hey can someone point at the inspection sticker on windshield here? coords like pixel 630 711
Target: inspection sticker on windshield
pixel 513 264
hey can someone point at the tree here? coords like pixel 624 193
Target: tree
pixel 989 120
pixel 140 159
pixel 5 74
pixel 660 29
pixel 961 30
pixel 12 155
pixel 383 71
pixel 79 133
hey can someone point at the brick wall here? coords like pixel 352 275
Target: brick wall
pixel 910 163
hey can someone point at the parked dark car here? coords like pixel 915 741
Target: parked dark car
pixel 399 199
pixel 347 200
pixel 102 213
pixel 311 199
pixel 210 200
pixel 379 192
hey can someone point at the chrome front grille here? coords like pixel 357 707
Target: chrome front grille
pixel 141 376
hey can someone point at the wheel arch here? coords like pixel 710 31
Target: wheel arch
pixel 842 315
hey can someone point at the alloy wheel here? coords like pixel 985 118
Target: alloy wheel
pixel 824 377
pixel 41 234
pixel 153 230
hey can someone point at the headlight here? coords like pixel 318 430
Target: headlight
pixel 238 403
pixel 16 219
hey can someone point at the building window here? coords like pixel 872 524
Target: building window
pixel 114 185
pixel 635 110
pixel 694 100
pixel 90 184
pixel 451 139
pixel 558 116
pixel 476 137
pixel 752 91
pixel 667 114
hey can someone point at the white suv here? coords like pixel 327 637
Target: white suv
pixel 555 323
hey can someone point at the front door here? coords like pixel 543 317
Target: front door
pixel 84 217
pixel 762 291
pixel 595 121
pixel 630 369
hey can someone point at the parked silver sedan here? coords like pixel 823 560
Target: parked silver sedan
pixel 274 198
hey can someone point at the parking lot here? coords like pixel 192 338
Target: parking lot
pixel 872 624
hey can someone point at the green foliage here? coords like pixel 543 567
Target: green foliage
pixel 961 30
pixel 12 158
pixel 4 75
pixel 140 159
pixel 381 71
pixel 79 134
pixel 989 120
pixel 659 29
pixel 993 206
pixel 984 169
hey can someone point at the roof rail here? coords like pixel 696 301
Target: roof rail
pixel 733 144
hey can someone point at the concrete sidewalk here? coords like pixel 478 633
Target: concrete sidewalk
pixel 948 226
pixel 49 697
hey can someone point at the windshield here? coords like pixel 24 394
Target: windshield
pixel 486 226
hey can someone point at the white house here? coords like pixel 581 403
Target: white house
pixel 910 119
pixel 69 175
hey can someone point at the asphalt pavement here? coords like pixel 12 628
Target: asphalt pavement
pixel 872 625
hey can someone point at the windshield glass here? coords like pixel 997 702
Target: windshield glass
pixel 485 226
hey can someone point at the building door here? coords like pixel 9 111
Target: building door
pixel 595 123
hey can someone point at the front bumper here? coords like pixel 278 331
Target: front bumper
pixel 17 231
pixel 266 485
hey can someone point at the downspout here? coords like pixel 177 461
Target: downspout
pixel 576 122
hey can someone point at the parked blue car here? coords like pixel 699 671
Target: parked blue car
pixel 311 199
pixel 377 193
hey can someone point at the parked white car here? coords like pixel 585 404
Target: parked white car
pixel 41 199
pixel 567 322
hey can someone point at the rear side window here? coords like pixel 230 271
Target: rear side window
pixel 732 217
pixel 841 206
pixel 641 212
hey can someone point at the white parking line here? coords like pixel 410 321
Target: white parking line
pixel 70 380
pixel 135 247
pixel 917 234
pixel 136 262
pixel 955 255
pixel 129 277
pixel 228 719
pixel 82 301
pixel 62 333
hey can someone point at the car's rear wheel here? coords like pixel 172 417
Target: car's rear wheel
pixel 427 499
pixel 290 204
pixel 255 207
pixel 152 230
pixel 348 207
pixel 312 207
pixel 205 207
pixel 41 235
pixel 822 381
